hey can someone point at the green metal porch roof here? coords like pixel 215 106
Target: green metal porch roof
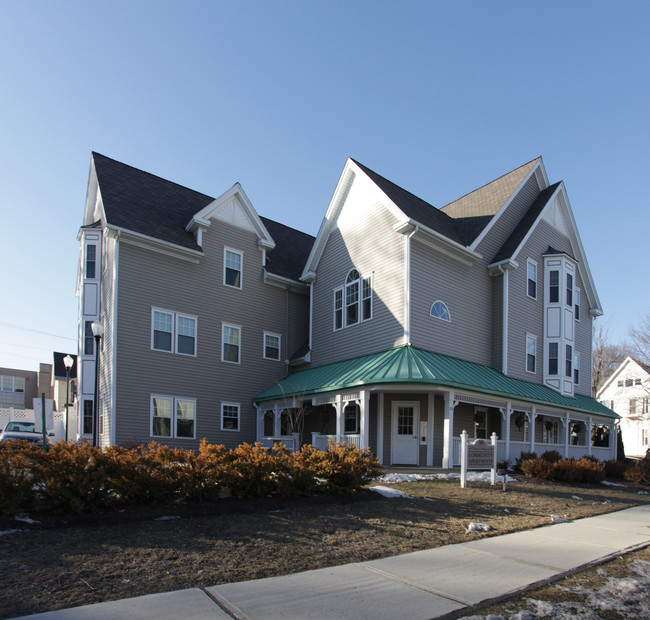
pixel 409 365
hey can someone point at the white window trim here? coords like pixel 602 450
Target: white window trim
pixel 175 316
pixel 223 342
pixel 360 300
pixel 231 430
pixel 445 306
pixel 279 337
pixel 241 267
pixel 534 338
pixel 530 261
pixel 174 400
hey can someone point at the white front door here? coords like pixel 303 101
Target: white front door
pixel 405 443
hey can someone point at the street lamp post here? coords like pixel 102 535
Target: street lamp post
pixel 98 332
pixel 67 362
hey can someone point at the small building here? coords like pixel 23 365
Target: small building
pixel 627 392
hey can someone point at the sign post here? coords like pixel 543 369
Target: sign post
pixel 478 454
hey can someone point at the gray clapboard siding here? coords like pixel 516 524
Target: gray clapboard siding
pixel 526 315
pixel 149 279
pixel 436 276
pixel 376 250
pixel 106 344
pixel 502 228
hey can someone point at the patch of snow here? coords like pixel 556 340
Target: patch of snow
pixel 472 476
pixel 576 497
pixel 25 519
pixel 607 501
pixel 388 492
pixel 478 527
pixel 611 484
pixel 167 518
pixel 642 492
pixel 6 532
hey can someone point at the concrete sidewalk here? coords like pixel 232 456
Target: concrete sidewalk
pixel 421 585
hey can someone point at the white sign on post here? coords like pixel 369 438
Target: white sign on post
pixel 38 414
pixel 478 454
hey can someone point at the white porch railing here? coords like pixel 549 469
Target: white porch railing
pixel 322 441
pixel 290 441
pixel 517 447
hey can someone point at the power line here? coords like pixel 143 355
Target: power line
pixel 35 331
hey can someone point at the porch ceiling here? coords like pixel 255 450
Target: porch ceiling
pixel 409 365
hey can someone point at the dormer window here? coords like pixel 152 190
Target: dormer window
pixel 232 268
pixel 353 301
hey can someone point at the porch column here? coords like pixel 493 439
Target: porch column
pixel 588 433
pixel 505 414
pixel 259 427
pixel 430 408
pixel 567 426
pixel 531 428
pixel 448 438
pixel 364 419
pixel 338 406
pixel 277 421
pixel 380 427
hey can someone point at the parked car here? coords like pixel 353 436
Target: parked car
pixel 24 431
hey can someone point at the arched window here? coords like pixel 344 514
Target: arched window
pixel 353 301
pixel 440 311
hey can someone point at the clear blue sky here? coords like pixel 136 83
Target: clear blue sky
pixel 440 97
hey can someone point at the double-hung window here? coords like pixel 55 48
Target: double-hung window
pixel 89 339
pixel 568 361
pixel 554 287
pixel 532 279
pixel 553 361
pixel 231 343
pixel 577 304
pixel 353 301
pixel 230 416
pixel 531 353
pixel 271 346
pixel 576 368
pixel 232 268
pixel 569 290
pixel 173 332
pixel 351 419
pixel 173 417
pixel 91 261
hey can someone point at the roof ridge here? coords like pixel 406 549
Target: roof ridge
pixel 151 174
pixel 490 182
pixel 302 232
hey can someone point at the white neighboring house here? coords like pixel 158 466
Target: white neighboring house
pixel 627 392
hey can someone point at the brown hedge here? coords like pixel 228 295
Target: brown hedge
pixel 73 478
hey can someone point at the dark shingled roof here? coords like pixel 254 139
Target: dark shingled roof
pixel 144 203
pixel 291 251
pixel 526 222
pixel 416 208
pixel 59 366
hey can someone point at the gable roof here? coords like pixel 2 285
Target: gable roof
pixel 614 376
pixel 410 365
pixel 149 205
pixel 526 223
pixel 416 208
pixel 59 366
pixel 291 250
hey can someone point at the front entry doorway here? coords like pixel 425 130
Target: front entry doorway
pixel 405 442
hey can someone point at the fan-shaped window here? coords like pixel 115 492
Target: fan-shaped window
pixel 440 311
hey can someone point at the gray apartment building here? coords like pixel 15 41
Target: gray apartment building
pixel 399 326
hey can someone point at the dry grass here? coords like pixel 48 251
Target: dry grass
pixel 57 565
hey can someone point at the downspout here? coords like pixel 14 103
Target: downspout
pixel 407 287
pixel 116 267
pixel 504 326
pixel 311 311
